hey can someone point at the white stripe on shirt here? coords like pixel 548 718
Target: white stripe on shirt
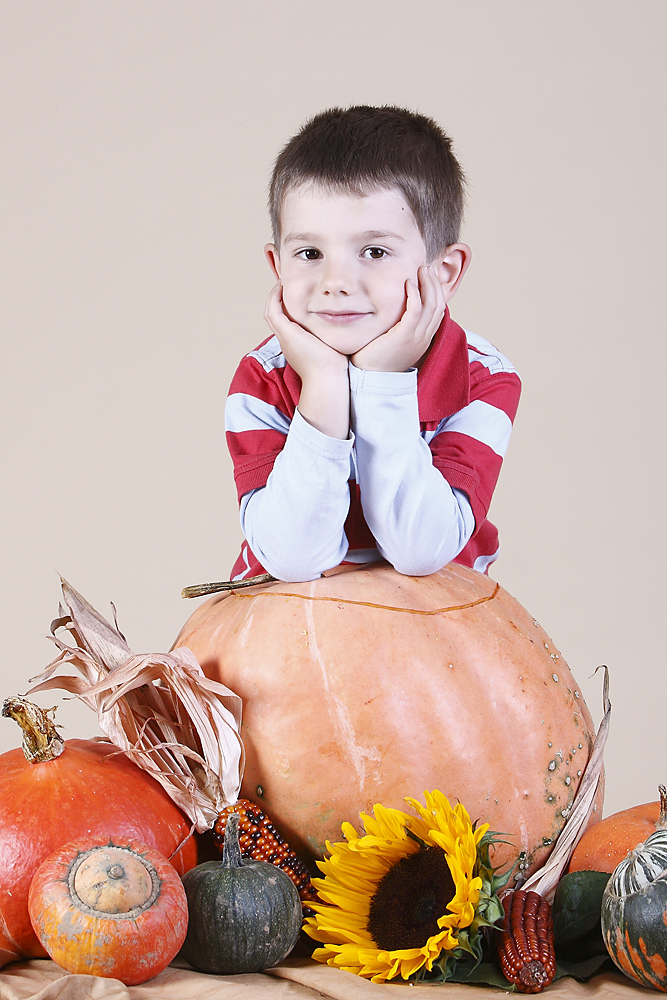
pixel 482 563
pixel 481 421
pixel 244 412
pixel 486 354
pixel 269 355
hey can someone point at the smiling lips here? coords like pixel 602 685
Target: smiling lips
pixel 341 317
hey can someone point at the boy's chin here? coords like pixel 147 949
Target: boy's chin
pixel 345 345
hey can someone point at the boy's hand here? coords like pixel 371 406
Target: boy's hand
pixel 306 354
pixel 402 347
pixel 325 386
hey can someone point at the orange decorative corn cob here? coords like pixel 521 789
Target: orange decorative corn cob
pixel 259 840
pixel 525 942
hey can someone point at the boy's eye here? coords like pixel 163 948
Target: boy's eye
pixel 374 253
pixel 310 253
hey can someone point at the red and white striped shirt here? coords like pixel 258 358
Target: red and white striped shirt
pixel 412 484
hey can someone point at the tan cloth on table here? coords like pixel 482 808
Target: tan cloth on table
pixel 295 979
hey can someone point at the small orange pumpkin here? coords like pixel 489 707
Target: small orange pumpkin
pixel 117 910
pixel 604 845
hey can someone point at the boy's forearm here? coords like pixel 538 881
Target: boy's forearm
pixel 325 386
pixel 325 402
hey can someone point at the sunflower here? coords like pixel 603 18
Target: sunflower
pixel 409 896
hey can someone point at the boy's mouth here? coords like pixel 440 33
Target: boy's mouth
pixel 341 317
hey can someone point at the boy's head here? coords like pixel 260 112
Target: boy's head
pixel 361 149
pixel 362 200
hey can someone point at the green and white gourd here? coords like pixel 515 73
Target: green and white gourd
pixel 634 909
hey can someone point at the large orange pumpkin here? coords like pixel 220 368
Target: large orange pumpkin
pixel 90 789
pixel 367 686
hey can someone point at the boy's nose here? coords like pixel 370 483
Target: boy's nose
pixel 337 278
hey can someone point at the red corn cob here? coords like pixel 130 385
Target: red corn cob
pixel 259 840
pixel 525 942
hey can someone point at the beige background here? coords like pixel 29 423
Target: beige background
pixel 137 140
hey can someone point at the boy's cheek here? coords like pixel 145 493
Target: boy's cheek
pixel 292 304
pixel 397 305
pixel 294 294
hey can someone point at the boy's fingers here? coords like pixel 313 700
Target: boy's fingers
pixel 433 302
pixel 413 305
pixel 275 314
pixel 426 289
pixel 274 306
pixel 271 302
pixel 432 296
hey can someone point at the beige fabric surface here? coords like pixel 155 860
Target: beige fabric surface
pixel 296 979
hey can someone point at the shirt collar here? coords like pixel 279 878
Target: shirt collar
pixel 443 383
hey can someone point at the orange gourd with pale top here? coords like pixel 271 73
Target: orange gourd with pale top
pixel 116 910
pixel 367 686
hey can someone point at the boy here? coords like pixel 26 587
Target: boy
pixel 369 425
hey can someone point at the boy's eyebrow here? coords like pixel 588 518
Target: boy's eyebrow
pixel 366 237
pixel 386 234
pixel 299 238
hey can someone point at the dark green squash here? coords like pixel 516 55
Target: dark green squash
pixel 244 916
pixel 634 910
pixel 576 911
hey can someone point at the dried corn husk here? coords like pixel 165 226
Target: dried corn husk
pixel 159 708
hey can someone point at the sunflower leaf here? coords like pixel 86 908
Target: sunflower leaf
pixel 489 911
pixel 483 864
pixel 457 964
pixel 481 974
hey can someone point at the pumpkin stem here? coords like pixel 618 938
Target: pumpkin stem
pixel 41 739
pixel 231 851
pixel 201 589
pixel 661 822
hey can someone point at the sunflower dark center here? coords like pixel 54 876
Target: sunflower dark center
pixel 409 900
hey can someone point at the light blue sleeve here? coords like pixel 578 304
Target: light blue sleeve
pixel 295 524
pixel 420 522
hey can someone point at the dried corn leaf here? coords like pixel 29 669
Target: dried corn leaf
pixel 547 877
pixel 159 708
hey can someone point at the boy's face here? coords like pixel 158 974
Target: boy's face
pixel 343 262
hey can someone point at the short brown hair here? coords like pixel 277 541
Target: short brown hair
pixel 362 148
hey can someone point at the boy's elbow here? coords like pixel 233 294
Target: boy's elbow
pixel 292 574
pixel 289 570
pixel 296 567
pixel 413 562
pixel 420 567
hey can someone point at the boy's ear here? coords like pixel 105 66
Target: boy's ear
pixel 451 265
pixel 271 255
